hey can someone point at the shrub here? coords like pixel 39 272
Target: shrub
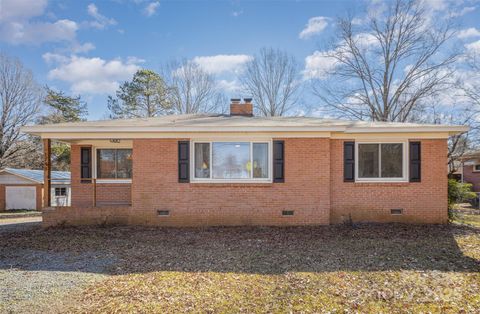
pixel 459 192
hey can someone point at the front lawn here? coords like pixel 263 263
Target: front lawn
pixel 367 268
pixel 466 214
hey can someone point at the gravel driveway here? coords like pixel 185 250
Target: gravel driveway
pixel 42 280
pixel 20 224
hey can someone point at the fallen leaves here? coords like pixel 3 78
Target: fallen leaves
pixel 366 268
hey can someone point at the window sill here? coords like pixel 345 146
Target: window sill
pixel 381 181
pixel 114 181
pixel 231 183
pixel 219 181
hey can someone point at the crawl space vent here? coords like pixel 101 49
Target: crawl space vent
pixel 396 211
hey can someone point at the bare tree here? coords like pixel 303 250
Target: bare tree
pixel 384 70
pixel 271 78
pixel 469 114
pixel 20 98
pixel 461 113
pixel 191 89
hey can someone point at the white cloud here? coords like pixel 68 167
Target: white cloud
pixel 314 26
pixel 15 10
pixel 37 33
pixel 82 48
pixel 468 32
pixel 436 5
pixel 358 21
pixel 318 65
pixel 473 47
pixel 92 75
pixel 50 58
pixel 151 8
pixel 365 40
pixel 100 21
pixel 230 86
pixel 463 11
pixel 17 27
pixel 222 63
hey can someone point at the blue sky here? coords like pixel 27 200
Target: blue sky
pixel 89 47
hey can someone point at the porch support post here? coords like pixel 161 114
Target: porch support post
pixel 47 172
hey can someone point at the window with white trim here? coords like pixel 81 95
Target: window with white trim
pixel 381 161
pixel 476 167
pixel 231 161
pixel 114 163
pixel 62 191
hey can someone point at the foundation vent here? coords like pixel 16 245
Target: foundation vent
pixel 163 212
pixel 396 211
pixel 287 212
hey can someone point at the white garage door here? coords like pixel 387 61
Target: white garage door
pixel 20 197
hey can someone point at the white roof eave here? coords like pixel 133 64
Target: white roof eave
pixel 180 129
pixel 43 130
pixel 441 128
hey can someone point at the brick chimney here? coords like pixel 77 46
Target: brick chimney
pixel 237 108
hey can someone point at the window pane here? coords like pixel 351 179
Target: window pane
pixel 60 191
pixel 260 160
pixel 124 163
pixel 231 160
pixel 202 160
pixel 106 163
pixel 392 155
pixel 368 160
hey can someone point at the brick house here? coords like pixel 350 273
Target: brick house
pixel 470 169
pixel 237 169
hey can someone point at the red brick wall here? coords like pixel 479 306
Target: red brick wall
pixel 472 177
pixel 306 189
pixel 313 188
pixel 422 202
pixel 106 193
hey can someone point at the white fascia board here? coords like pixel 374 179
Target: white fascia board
pixel 133 129
pixel 441 128
pixel 44 130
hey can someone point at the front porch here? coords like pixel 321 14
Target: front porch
pixel 93 200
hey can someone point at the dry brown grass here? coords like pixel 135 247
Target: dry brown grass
pixel 366 268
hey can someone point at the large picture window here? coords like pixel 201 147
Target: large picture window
pixel 381 161
pixel 231 161
pixel 114 163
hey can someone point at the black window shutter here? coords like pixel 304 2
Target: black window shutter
pixel 86 164
pixel 278 161
pixel 415 162
pixel 183 161
pixel 349 161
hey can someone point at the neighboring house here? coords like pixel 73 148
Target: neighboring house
pixel 470 169
pixel 23 189
pixel 211 169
